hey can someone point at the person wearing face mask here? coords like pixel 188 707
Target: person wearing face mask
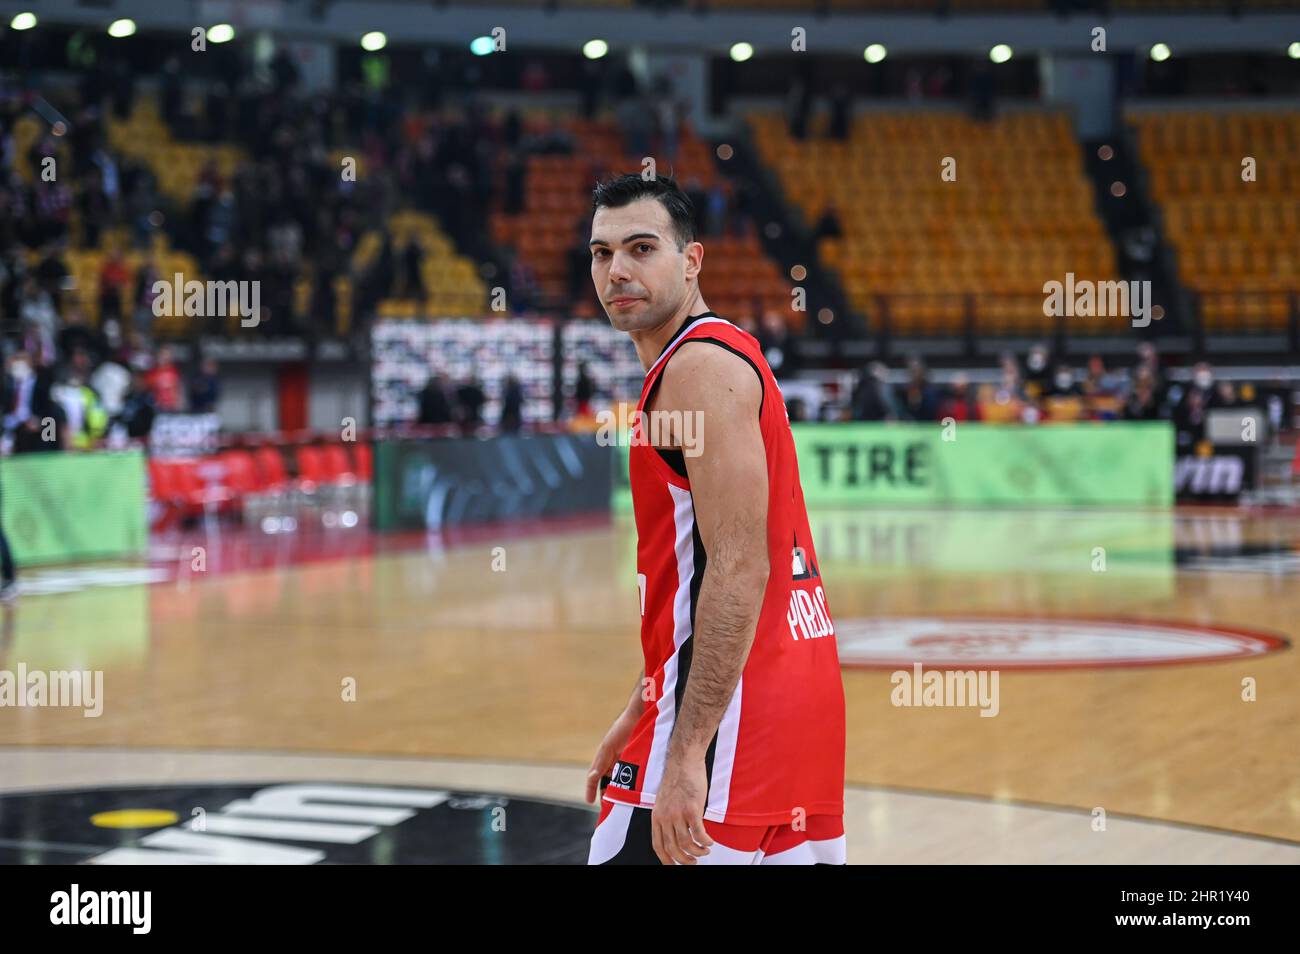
pixel 1037 373
pixel 1063 383
pixel 28 404
pixel 1201 388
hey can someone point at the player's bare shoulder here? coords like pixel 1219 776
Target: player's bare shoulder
pixel 703 377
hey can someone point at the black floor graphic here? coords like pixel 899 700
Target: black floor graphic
pixel 292 823
pixel 1240 558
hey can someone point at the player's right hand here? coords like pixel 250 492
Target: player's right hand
pixel 607 753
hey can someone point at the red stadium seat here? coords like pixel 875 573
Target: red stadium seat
pixel 363 458
pixel 338 469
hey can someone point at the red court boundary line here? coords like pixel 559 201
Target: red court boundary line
pixel 1273 643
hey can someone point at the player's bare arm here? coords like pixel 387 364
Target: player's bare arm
pixel 729 488
pixel 616 738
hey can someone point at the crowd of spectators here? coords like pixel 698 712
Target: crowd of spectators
pixel 1044 389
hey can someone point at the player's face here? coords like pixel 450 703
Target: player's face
pixel 640 274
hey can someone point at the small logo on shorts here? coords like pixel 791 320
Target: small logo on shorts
pixel 624 775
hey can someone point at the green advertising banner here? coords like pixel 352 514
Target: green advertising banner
pixel 1073 465
pixel 63 505
pixel 1108 463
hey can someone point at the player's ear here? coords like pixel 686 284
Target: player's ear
pixel 694 253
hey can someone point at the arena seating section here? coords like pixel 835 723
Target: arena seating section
pixel 1237 242
pixel 451 281
pixel 558 199
pixel 1020 213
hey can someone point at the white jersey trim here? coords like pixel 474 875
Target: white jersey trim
pixel 682 334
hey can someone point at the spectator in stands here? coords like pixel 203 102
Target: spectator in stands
pixel 742 208
pixel 142 207
pixel 136 353
pixel 828 225
pixel 578 264
pixel 1148 358
pixel 31 414
pixel 799 108
pixel 138 408
pixel 1037 372
pixel 1202 386
pixel 716 210
pixel 1099 383
pixel 37 308
pixel 699 202
pixel 637 122
pixel 1141 403
pixel 1225 395
pixel 77 335
pixel 584 390
pixel 434 406
pixel 1063 383
pixel 1010 388
pixel 146 277
pixel 1189 419
pixel 873 398
pixel 512 406
pixel 164 380
pixel 960 403
pixel 524 290
pixel 52 202
pixel 13 271
pixel 114 278
pixel 205 388
pixel 841 112
pixel 780 347
pixel 85 419
pixel 667 118
pixel 516 175
pixel 111 381
pixel 96 208
pixel 469 404
pixel 920 400
pixel 982 92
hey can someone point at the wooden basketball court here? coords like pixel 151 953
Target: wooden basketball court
pixel 497 665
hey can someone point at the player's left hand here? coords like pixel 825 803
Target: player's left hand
pixel 677 820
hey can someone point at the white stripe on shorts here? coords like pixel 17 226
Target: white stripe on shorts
pixel 608 838
pixel 829 851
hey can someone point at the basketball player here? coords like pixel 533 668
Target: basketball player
pixel 731 747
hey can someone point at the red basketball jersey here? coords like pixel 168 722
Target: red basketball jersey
pixel 780 746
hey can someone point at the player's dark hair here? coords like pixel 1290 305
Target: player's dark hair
pixel 622 190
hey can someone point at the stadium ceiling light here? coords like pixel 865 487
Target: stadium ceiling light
pixel 119 29
pixel 874 53
pixel 22 21
pixel 221 33
pixel 481 45
pixel 374 41
pixel 1000 53
pixel 741 52
pixel 1293 51
pixel 595 49
pixel 1160 52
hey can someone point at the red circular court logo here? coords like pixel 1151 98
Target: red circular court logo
pixel 994 642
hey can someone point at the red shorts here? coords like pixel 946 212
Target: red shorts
pixel 623 837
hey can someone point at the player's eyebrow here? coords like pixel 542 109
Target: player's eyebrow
pixel 630 238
